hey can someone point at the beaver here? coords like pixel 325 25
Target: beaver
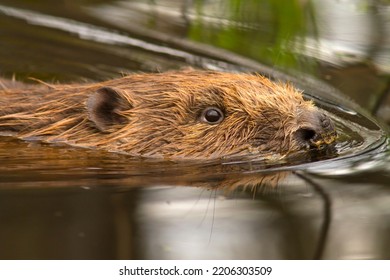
pixel 183 114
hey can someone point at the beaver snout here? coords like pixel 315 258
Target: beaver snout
pixel 316 130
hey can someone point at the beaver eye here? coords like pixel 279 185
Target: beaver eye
pixel 212 115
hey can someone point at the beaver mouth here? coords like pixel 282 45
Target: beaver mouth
pixel 309 139
pixel 324 140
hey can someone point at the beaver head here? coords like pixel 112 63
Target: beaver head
pixel 183 114
pixel 197 114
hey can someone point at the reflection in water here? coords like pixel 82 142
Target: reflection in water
pixel 116 207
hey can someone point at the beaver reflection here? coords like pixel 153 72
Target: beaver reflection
pixel 175 115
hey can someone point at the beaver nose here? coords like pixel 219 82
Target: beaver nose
pixel 316 130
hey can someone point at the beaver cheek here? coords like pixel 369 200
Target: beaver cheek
pixel 103 108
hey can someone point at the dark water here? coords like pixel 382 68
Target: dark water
pixel 60 202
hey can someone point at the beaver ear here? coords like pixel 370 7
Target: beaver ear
pixel 104 106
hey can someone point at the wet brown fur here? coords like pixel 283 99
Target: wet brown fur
pixel 158 115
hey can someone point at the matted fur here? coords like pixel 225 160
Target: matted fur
pixel 160 115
